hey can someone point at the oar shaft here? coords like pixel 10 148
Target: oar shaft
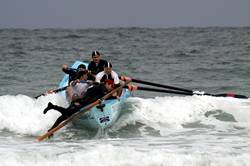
pixel 60 89
pixel 157 90
pixel 160 85
pixel 54 91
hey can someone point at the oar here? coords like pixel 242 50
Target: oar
pixel 156 84
pixel 229 95
pixel 133 87
pixel 78 114
pixel 53 91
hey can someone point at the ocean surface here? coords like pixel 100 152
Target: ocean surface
pixel 154 129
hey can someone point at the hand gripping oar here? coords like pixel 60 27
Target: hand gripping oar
pixel 185 91
pixel 53 91
pixel 78 114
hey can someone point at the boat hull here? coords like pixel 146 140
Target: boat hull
pixel 102 116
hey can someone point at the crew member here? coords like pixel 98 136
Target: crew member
pixel 96 65
pixel 94 93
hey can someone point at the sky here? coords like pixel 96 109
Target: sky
pixel 123 13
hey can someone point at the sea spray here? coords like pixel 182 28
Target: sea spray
pixel 24 115
pixel 166 114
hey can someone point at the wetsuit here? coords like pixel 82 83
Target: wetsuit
pixel 73 73
pixel 96 68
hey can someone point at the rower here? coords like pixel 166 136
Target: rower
pixel 73 73
pixel 79 86
pixel 109 74
pixel 96 65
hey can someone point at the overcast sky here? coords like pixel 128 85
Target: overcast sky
pixel 123 13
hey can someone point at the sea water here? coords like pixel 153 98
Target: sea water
pixel 154 128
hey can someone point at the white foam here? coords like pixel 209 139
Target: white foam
pixel 170 113
pixel 24 115
pixel 108 154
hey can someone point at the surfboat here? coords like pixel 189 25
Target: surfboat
pixel 103 115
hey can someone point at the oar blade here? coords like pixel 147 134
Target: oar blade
pixel 231 95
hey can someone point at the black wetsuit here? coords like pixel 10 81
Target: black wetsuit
pixel 96 68
pixel 94 93
pixel 73 73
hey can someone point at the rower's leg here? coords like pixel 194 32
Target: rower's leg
pixel 55 107
pixel 49 107
pixel 66 113
pixel 62 110
pixel 58 121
